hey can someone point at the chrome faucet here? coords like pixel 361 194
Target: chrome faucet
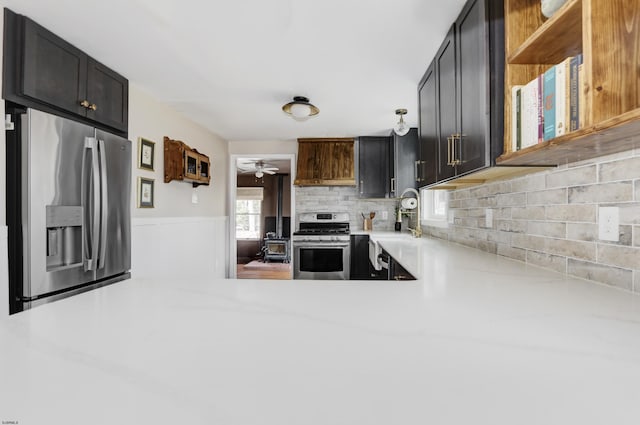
pixel 417 231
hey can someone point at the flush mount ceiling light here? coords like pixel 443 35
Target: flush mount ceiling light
pixel 401 128
pixel 300 109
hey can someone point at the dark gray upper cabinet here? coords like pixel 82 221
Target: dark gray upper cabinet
pixel 461 96
pixel 404 157
pixel 55 72
pixel 373 166
pixel 110 92
pixel 387 165
pixel 429 134
pixel 447 114
pixel 43 71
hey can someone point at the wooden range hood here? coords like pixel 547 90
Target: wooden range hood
pixel 325 162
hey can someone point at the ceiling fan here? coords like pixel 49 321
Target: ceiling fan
pixel 257 166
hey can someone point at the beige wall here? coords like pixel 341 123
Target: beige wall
pixel 153 120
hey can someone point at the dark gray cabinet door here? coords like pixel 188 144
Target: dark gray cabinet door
pixel 373 167
pixel 109 91
pixel 361 267
pixel 473 85
pixel 447 106
pixel 54 71
pixel 404 156
pixel 427 171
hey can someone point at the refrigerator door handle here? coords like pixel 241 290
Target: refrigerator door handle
pixel 90 143
pixel 103 205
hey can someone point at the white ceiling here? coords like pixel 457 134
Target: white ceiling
pixel 230 65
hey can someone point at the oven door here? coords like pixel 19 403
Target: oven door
pixel 321 260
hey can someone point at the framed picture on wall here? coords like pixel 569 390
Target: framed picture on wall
pixel 146 153
pixel 145 192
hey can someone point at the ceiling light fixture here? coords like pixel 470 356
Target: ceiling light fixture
pixel 300 109
pixel 401 128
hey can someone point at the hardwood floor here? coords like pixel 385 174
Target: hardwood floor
pixel 265 272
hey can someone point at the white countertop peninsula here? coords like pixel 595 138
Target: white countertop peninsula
pixel 477 339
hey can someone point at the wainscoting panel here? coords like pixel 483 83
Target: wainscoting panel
pixel 179 247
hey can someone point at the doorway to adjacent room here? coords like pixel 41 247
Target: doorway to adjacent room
pixel 261 206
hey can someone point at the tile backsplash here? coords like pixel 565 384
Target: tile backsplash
pixel 345 199
pixel 551 219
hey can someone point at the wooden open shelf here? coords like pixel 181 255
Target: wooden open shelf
pixel 610 89
pixel 487 175
pixel 556 39
pixel 614 135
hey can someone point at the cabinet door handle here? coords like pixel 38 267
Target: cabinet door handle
pixel 457 159
pixel 93 107
pixel 84 103
pixel 416 175
pixel 393 185
pixel 449 150
pixel 361 187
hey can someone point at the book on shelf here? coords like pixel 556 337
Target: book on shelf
pixel 540 107
pixel 548 106
pixel 529 103
pixel 562 96
pixel 516 123
pixel 574 113
pixel 549 103
pixel 581 86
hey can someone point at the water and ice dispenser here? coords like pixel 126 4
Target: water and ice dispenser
pixel 64 237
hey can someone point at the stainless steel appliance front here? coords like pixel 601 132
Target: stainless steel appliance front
pixel 321 260
pixel 76 218
pixel 321 246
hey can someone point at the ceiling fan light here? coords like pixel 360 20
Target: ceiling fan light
pixel 259 174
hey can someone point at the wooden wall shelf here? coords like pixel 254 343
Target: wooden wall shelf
pixel 615 135
pixel 183 163
pixel 610 87
pixel 487 175
pixel 556 39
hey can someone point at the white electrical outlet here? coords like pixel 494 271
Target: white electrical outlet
pixel 488 218
pixel 194 196
pixel 609 224
pixel 385 215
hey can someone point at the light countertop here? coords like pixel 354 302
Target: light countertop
pixel 477 339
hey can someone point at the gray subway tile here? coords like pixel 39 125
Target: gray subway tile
pixel 547 197
pixel 511 252
pixel 572 213
pixel 554 229
pixel 572 177
pixel 548 261
pixel 596 193
pixel 624 169
pixel 574 249
pixel 621 256
pixel 512 199
pixel 534 212
pixel 582 231
pixel 615 276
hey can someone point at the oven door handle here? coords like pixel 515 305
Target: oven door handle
pixel 320 245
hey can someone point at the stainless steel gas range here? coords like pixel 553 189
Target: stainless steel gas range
pixel 321 246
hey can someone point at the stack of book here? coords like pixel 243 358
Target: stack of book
pixel 547 106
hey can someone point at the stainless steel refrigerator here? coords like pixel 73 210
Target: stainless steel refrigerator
pixel 75 207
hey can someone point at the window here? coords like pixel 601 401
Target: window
pixel 435 207
pixel 249 212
